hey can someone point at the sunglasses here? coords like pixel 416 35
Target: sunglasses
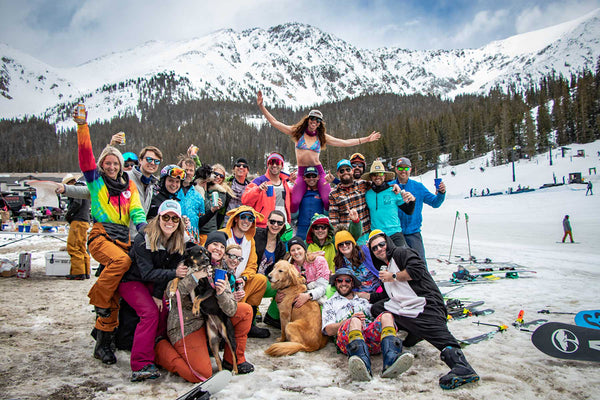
pixel 311 176
pixel 378 174
pixel 178 173
pixel 344 170
pixel 376 247
pixel 343 280
pixel 240 165
pixel 403 168
pixel 357 165
pixel 320 228
pixel 247 217
pixel 233 257
pixel 218 175
pixel 274 222
pixel 274 162
pixel 151 160
pixel 173 218
pixel 130 164
pixel 346 243
pixel 319 120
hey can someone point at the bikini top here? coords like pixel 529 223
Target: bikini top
pixel 316 147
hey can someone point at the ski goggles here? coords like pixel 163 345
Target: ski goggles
pixel 178 173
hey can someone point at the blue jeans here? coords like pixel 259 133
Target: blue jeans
pixel 415 242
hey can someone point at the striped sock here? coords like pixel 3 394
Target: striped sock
pixel 388 331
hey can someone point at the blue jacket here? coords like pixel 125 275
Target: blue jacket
pixel 192 206
pixel 412 223
pixel 310 205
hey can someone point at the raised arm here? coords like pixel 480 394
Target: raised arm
pixel 280 126
pixel 335 142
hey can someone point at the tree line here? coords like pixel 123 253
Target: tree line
pixel 556 111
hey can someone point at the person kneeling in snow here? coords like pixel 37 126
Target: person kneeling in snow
pixel 418 307
pixel 348 317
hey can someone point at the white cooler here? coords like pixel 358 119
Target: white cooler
pixel 58 263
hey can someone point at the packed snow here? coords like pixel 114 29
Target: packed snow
pixel 46 349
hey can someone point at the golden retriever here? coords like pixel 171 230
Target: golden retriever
pixel 301 327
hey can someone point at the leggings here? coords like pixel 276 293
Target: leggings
pixel 299 188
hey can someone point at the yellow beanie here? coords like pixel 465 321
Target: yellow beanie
pixel 374 233
pixel 343 236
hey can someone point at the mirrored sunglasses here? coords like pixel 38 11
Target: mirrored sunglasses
pixel 247 217
pixel 233 257
pixel 151 160
pixel 358 165
pixel 319 120
pixel 403 168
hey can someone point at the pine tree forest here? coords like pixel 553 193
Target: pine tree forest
pixel 556 112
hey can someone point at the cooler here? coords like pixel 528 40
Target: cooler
pixel 58 263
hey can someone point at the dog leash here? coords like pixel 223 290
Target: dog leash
pixel 202 379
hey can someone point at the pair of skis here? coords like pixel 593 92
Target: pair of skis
pixel 458 310
pixel 519 324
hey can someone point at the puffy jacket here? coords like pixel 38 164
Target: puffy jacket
pixel 310 205
pixel 258 199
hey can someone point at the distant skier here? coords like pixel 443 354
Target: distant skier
pixel 589 189
pixel 567 229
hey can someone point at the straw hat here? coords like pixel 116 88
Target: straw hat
pixel 377 167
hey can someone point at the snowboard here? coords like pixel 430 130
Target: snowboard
pixel 566 341
pixel 212 385
pixel 588 319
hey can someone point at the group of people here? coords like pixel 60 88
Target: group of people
pixel 357 244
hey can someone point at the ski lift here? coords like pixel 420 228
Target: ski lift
pixel 471 165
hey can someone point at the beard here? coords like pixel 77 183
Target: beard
pixel 357 174
pixel 345 291
pixel 346 180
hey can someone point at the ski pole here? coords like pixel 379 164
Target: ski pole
pixel 453 230
pixel 500 327
pixel 555 312
pixel 468 238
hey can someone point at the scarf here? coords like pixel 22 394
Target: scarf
pixel 116 186
pixel 312 134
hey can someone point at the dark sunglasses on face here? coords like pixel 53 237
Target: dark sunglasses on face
pixel 320 228
pixel 274 222
pixel 311 176
pixel 248 217
pixel 344 244
pixel 403 168
pixel 376 247
pixel 240 165
pixel 344 170
pixel 166 218
pixel 357 165
pixel 233 257
pixel 319 120
pixel 218 175
pixel 343 280
pixel 151 160
pixel 377 174
pixel 130 164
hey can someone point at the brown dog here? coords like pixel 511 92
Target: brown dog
pixel 301 327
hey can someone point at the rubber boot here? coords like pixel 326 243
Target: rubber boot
pixel 394 362
pixel 460 370
pixel 359 362
pixel 103 350
pixel 255 331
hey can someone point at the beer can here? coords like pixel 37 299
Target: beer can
pixel 239 284
pixel 124 140
pixel 214 196
pixel 194 150
pixel 80 108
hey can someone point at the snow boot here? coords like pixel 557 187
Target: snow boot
pixel 149 371
pixel 102 312
pixel 255 331
pixel 359 362
pixel 394 362
pixel 103 350
pixel 460 370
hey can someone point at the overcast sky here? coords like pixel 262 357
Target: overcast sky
pixel 70 32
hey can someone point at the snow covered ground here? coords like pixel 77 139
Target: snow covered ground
pixel 46 349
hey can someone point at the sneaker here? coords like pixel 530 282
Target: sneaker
pixel 256 332
pixel 275 323
pixel 148 372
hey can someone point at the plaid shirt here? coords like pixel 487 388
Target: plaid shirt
pixel 343 199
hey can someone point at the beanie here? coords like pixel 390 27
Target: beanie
pixel 343 236
pixel 296 240
pixel 217 236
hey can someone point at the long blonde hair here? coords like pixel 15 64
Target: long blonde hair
pixel 222 187
pixel 156 237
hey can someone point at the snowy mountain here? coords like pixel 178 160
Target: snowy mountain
pixel 294 64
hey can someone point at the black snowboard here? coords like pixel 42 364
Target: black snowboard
pixel 568 341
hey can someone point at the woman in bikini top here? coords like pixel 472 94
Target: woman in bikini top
pixel 308 149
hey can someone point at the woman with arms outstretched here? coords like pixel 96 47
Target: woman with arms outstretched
pixel 310 137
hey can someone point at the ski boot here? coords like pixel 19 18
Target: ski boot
pixel 103 350
pixel 460 370
pixel 394 362
pixel 359 362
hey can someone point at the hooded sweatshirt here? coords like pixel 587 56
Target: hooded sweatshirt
pixel 328 246
pixel 249 266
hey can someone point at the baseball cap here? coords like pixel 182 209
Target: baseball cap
pixel 315 113
pixel 403 161
pixel 170 206
pixel 343 162
pixel 311 170
pixel 241 160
